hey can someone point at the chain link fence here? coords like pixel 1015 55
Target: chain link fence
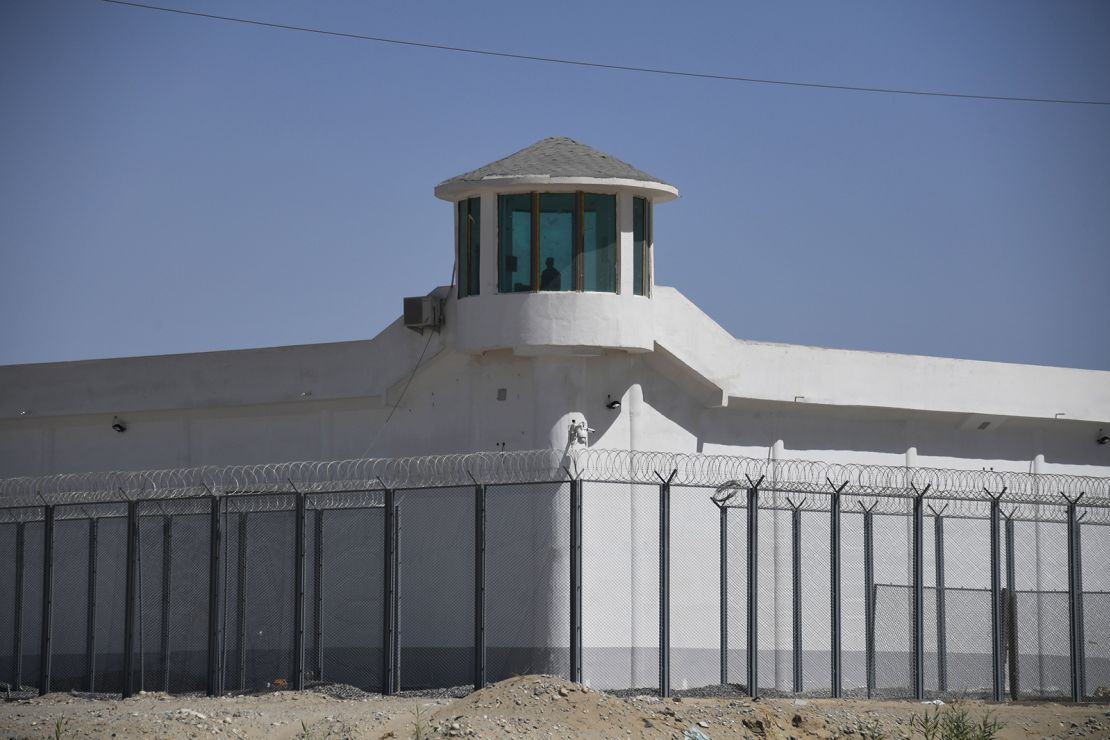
pixel 763 586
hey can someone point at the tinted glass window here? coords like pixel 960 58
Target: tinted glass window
pixel 467 245
pixel 474 250
pixel 557 241
pixel 514 243
pixel 599 242
pixel 639 244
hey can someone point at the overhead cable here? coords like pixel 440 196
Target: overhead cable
pixel 619 67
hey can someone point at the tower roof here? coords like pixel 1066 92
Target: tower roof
pixel 556 160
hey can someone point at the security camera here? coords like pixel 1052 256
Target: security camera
pixel 611 403
pixel 118 425
pixel 1102 438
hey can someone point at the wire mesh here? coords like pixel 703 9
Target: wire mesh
pixel 8 539
pixel 527 580
pixel 776 593
pixel 737 577
pixel 620 565
pixel 68 668
pixel 1095 553
pixel 351 604
pixel 853 644
pixel 259 592
pixel 437 587
pixel 968 605
pixel 892 606
pixel 1041 609
pixel 108 614
pixel 32 605
pixel 816 603
pixel 695 605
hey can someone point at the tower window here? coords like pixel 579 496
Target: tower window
pixel 466 245
pixel 557 242
pixel 641 243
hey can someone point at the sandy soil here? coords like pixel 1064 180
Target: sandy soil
pixel 522 707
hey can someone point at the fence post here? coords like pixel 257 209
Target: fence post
pixel 480 584
pixel 998 678
pixel 724 594
pixel 167 570
pixel 918 594
pixel 942 626
pixel 1010 611
pixel 90 608
pixel 17 598
pixel 47 599
pixel 130 591
pixel 665 585
pixel 214 594
pixel 298 593
pixel 241 600
pixel 796 577
pixel 318 592
pixel 575 581
pixel 834 589
pixel 753 587
pixel 1075 602
pixel 397 600
pixel 869 595
pixel 389 636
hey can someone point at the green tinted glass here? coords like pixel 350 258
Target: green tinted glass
pixel 639 213
pixel 514 243
pixel 557 241
pixel 461 248
pixel 474 249
pixel 599 242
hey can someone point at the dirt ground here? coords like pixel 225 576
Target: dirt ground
pixel 521 707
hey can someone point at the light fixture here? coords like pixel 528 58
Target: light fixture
pixel 25 412
pixel 611 403
pixel 118 425
pixel 1102 438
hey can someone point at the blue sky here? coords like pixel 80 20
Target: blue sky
pixel 173 184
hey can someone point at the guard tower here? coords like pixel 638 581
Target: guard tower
pixel 553 248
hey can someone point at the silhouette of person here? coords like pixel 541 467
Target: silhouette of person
pixel 550 278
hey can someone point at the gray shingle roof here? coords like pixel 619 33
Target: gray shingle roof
pixel 556 156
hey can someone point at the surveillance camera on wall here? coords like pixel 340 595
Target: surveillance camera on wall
pixel 118 425
pixel 1102 438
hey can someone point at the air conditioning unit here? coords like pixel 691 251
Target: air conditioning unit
pixel 423 312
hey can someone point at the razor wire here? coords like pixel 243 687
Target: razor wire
pixel 888 486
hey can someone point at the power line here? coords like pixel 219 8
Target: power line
pixel 600 65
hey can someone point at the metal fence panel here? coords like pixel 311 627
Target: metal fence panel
pixel 111 573
pixel 737 595
pixel 351 598
pixel 70 595
pixel 1041 609
pixel 527 580
pixel 968 612
pixel 258 624
pixel 620 566
pixel 776 593
pixel 1095 550
pixel 695 607
pixel 9 607
pixel 892 605
pixel 437 587
pixel 816 603
pixel 853 645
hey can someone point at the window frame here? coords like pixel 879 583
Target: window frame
pixel 645 247
pixel 578 261
pixel 468 254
